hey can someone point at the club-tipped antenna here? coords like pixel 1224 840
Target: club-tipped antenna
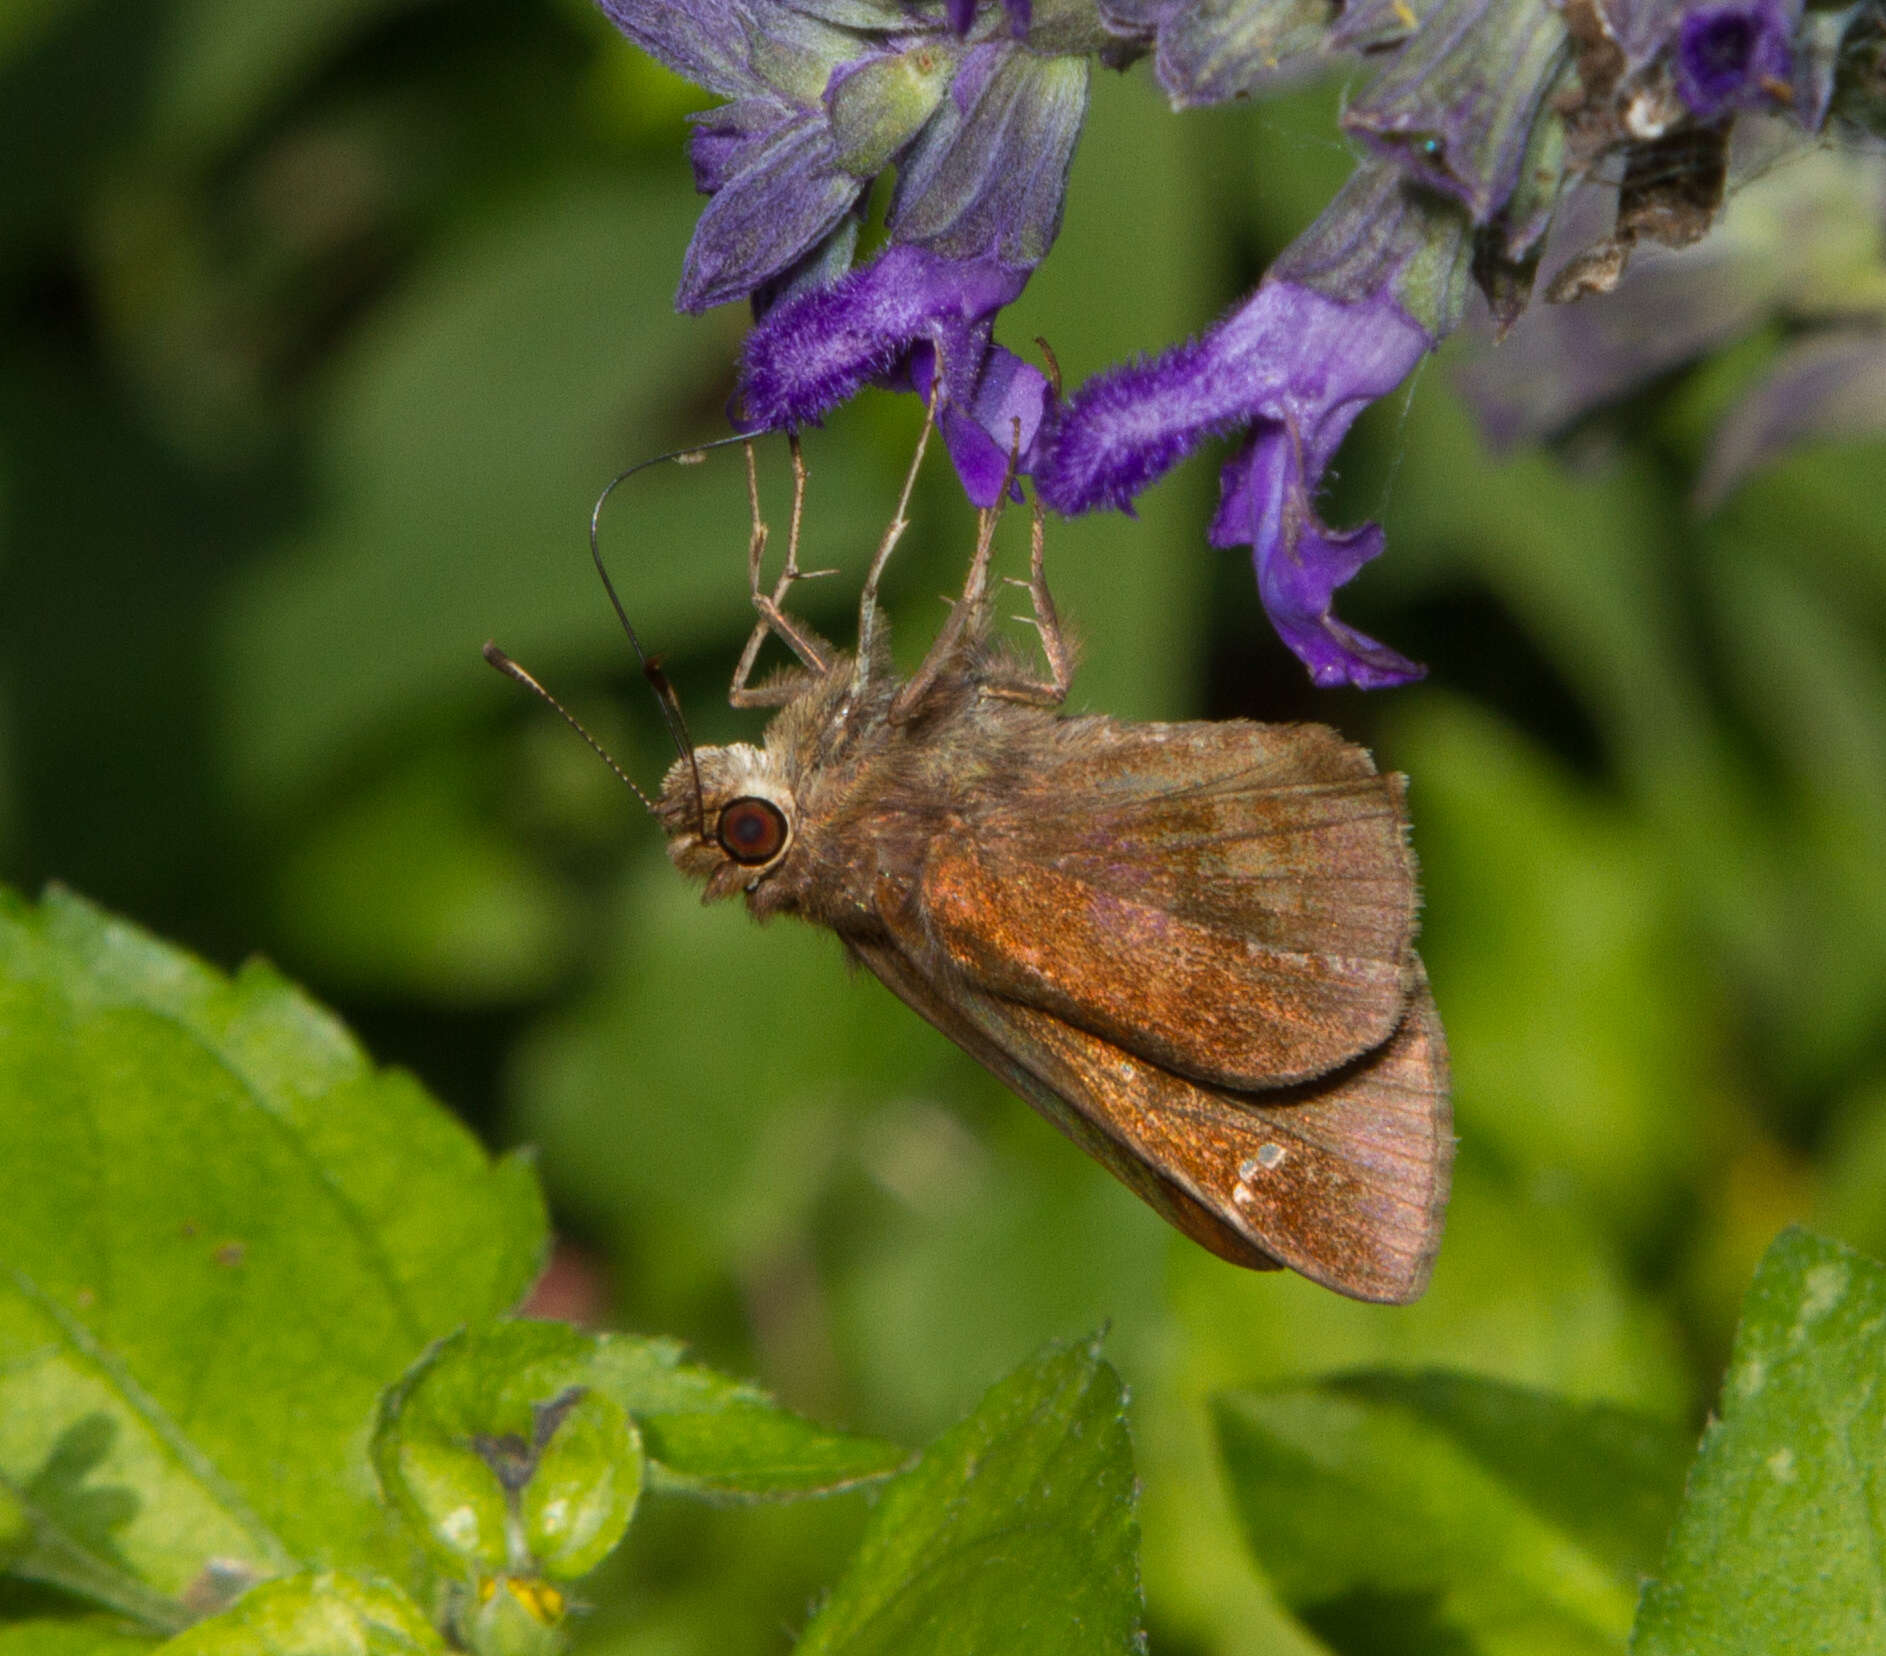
pixel 665 695
pixel 511 670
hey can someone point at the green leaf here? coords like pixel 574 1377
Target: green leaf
pixel 1778 1544
pixel 1015 1531
pixel 1441 1512
pixel 84 1636
pixel 222 1232
pixel 709 1435
pixel 313 1615
pixel 532 1435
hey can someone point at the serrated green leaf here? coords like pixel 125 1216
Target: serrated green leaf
pixel 1778 1544
pixel 1016 1530
pixel 709 1435
pixel 222 1232
pixel 330 1614
pixel 1441 1512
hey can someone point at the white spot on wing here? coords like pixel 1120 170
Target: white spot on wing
pixel 1268 1159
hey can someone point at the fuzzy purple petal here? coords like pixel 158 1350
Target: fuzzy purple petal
pixel 1295 364
pixel 1732 56
pixel 891 322
pixel 817 349
pixel 1265 503
pixel 1287 353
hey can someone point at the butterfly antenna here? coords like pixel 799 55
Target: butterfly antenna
pixel 665 696
pixel 511 670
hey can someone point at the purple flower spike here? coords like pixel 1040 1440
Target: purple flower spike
pixel 1330 329
pixel 1288 354
pixel 1733 56
pixel 891 322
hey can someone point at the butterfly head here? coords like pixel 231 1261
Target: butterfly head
pixel 739 828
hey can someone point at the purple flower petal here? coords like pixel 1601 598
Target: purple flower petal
pixel 1733 56
pixel 993 411
pixel 788 195
pixel 1265 503
pixel 1560 362
pixel 1331 328
pixel 961 13
pixel 890 322
pixel 988 177
pixel 726 138
pixel 815 350
pixel 705 40
pixel 1456 105
pixel 1287 353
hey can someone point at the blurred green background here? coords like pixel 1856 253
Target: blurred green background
pixel 324 322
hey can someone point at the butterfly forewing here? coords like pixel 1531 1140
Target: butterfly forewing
pixel 1248 927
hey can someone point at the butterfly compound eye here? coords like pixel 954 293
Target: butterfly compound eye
pixel 751 830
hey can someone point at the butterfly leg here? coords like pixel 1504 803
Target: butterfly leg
pixel 1051 691
pixel 870 620
pixel 967 617
pixel 812 651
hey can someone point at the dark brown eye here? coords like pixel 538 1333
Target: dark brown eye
pixel 751 830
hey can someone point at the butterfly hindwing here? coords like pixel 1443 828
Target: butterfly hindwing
pixel 1343 1178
